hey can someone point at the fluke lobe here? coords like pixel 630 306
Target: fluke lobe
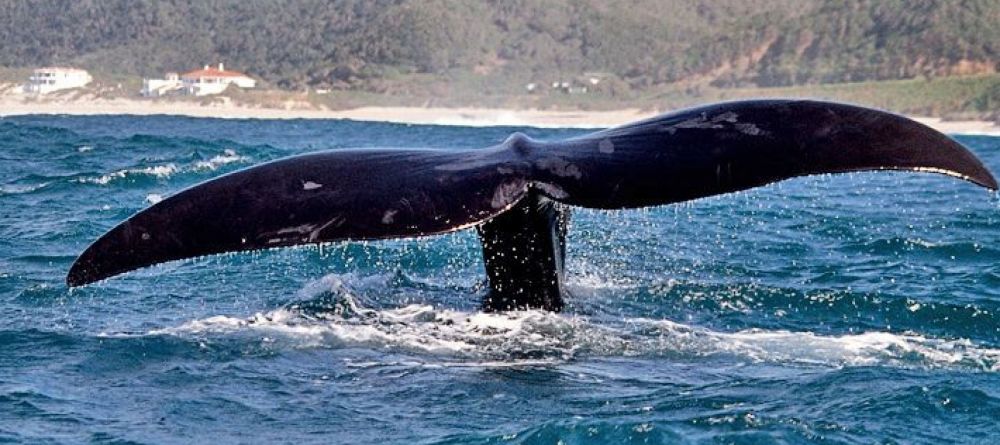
pixel 517 194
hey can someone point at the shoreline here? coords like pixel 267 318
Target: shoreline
pixel 464 116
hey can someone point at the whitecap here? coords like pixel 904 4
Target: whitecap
pixel 159 171
pixel 228 156
pixel 16 189
pixel 864 349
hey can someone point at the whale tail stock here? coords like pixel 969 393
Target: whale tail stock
pixel 516 192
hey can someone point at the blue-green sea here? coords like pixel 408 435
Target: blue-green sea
pixel 860 308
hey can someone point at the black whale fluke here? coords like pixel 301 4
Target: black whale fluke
pixel 391 193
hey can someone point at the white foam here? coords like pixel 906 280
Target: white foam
pixel 159 171
pixel 414 328
pixel 865 349
pixel 528 337
pixel 228 156
pixel 154 198
pixel 14 189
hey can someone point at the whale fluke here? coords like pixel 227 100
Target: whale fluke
pixel 391 193
pixel 727 147
pixel 314 198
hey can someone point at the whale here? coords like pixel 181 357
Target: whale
pixel 518 195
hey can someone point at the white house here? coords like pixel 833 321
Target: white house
pixel 49 79
pixel 209 80
pixel 160 87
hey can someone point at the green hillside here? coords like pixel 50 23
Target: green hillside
pixel 447 50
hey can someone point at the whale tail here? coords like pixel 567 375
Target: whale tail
pixel 514 192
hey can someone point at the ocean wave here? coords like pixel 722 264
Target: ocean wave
pixel 158 171
pixel 17 189
pixel 864 349
pixel 902 245
pixel 228 156
pixel 538 335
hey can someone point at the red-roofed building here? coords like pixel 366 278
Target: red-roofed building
pixel 212 80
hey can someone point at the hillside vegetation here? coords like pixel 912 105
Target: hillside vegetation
pixel 436 49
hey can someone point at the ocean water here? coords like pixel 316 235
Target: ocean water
pixel 860 308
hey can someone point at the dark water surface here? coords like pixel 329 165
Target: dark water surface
pixel 859 308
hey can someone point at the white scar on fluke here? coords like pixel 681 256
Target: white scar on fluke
pixel 389 216
pixel 718 122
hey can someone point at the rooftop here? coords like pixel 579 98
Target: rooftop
pixel 209 71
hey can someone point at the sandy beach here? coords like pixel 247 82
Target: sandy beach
pixel 18 104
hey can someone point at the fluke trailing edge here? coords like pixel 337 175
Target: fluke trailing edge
pixel 516 193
